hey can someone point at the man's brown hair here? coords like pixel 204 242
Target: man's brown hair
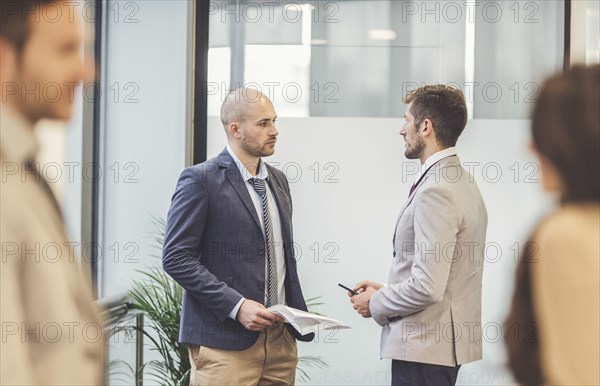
pixel 15 20
pixel 444 106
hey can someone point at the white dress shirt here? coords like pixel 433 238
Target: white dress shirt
pixel 263 174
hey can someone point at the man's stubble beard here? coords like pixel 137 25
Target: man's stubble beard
pixel 253 149
pixel 415 151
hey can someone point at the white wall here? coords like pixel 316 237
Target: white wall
pixel 358 213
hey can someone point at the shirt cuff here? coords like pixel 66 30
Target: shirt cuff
pixel 235 310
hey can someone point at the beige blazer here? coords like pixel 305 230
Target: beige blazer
pixel 430 311
pixel 51 332
pixel 566 295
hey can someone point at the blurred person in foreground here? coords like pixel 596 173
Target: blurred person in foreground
pixel 553 328
pixel 51 332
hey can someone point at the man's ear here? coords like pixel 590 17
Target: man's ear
pixel 427 128
pixel 234 130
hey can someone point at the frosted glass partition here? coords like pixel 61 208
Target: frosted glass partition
pixel 143 152
pixel 517 45
pixel 144 134
pixel 349 179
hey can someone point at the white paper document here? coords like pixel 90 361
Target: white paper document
pixel 305 322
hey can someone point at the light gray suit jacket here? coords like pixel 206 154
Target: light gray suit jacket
pixel 430 310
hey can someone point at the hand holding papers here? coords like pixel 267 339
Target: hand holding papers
pixel 304 321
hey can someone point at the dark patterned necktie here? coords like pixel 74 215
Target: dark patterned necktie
pixel 414 186
pixel 272 296
pixel 412 189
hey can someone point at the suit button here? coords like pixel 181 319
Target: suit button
pixel 261 286
pixel 394 253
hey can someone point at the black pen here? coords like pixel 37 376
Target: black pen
pixel 348 289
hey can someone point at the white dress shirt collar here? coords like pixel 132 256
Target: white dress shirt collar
pixel 263 174
pixel 435 157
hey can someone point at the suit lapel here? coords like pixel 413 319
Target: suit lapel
pixel 434 169
pixel 410 198
pixel 240 187
pixel 234 176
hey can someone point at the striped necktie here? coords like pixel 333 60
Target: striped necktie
pixel 272 296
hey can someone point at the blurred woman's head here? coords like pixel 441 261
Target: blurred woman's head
pixel 566 133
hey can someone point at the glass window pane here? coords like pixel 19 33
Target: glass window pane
pixel 358 58
pixel 517 45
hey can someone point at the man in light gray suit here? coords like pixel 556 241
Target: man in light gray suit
pixel 430 309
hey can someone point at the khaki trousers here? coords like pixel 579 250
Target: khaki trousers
pixel 271 360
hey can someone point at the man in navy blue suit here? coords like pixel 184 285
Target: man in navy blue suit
pixel 229 244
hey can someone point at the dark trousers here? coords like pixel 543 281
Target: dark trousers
pixel 423 374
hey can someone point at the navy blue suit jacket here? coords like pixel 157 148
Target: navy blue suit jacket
pixel 215 249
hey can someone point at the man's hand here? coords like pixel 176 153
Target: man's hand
pixel 255 317
pixel 362 286
pixel 360 302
